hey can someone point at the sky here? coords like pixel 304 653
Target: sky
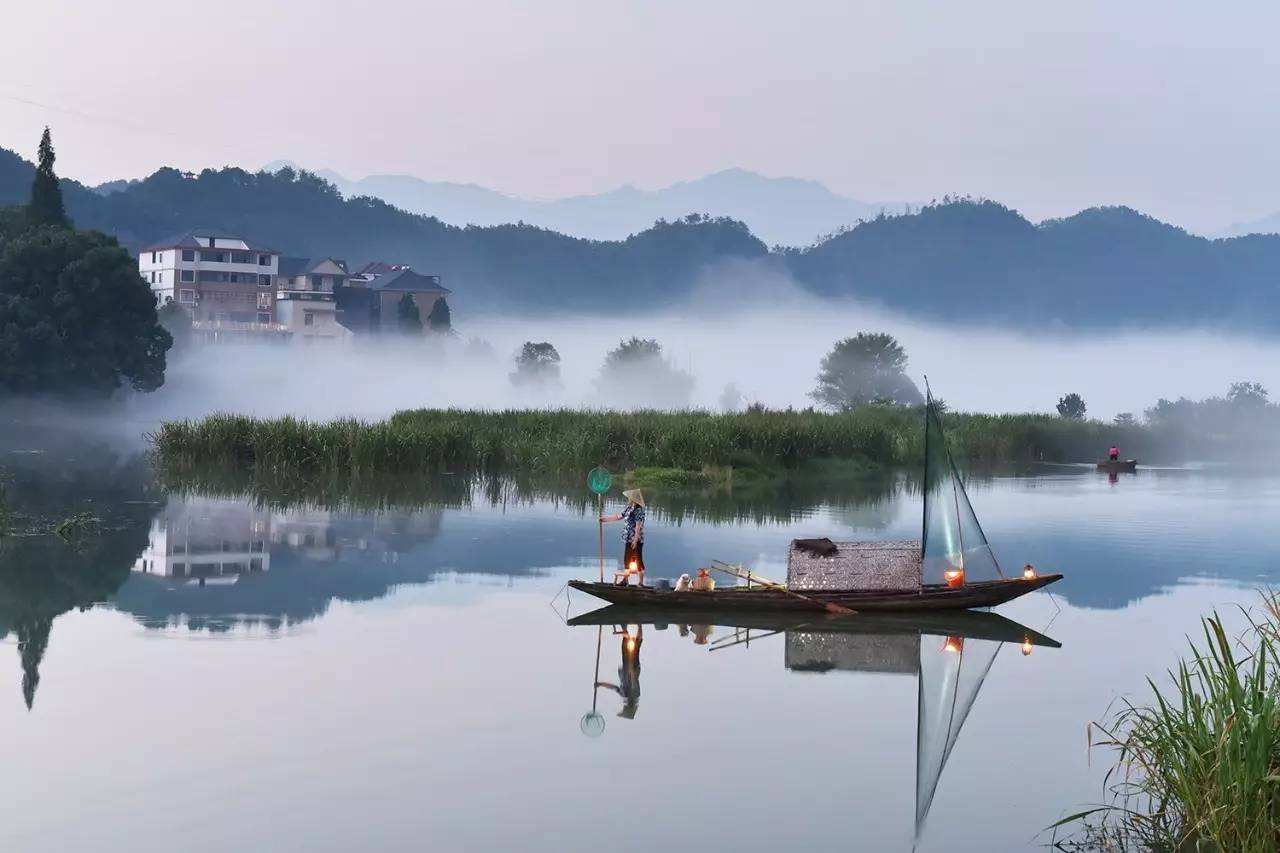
pixel 1049 108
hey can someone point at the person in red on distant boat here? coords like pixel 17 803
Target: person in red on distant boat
pixel 1114 453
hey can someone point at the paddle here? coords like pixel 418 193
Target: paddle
pixel 747 575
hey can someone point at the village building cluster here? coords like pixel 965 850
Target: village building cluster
pixel 235 288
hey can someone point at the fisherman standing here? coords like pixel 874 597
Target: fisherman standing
pixel 632 536
pixel 1114 453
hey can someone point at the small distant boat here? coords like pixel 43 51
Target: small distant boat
pixel 952 567
pixel 1118 465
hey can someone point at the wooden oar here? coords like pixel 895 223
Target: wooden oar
pixel 738 572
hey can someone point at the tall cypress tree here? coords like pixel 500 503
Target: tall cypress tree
pixel 46 196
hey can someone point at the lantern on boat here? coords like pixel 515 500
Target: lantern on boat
pixel 954 577
pixel 633 566
pixel 1028 572
pixel 954 645
pixel 1026 645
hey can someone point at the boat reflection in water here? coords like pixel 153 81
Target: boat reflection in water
pixel 949 652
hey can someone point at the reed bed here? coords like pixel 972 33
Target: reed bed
pixel 1198 765
pixel 564 440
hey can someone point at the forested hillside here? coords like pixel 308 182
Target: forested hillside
pixel 960 258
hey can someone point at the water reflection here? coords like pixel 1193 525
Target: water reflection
pixel 214 564
pixel 950 655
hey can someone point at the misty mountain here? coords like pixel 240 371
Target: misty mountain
pixel 961 259
pixel 1269 224
pixel 781 211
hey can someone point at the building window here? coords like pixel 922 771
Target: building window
pixel 160 276
pixel 214 257
pixel 187 297
pixel 153 257
pixel 264 260
pixel 179 568
pixel 235 278
pixel 152 279
pixel 308 318
pixel 263 317
pixel 264 281
pixel 188 275
pixel 264 300
pixel 188 254
pixel 240 258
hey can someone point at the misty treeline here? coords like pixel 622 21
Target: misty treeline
pixel 958 258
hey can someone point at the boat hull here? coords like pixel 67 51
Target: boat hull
pixel 970 624
pixel 1122 465
pixel 927 597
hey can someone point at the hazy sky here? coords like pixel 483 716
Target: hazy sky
pixel 1048 107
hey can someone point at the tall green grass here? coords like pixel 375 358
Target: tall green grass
pixel 1198 765
pixel 557 441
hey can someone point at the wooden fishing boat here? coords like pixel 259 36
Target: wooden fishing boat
pixel 952 567
pixel 741 598
pixel 970 624
pixel 1118 465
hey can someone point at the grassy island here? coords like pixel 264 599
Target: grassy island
pixel 657 445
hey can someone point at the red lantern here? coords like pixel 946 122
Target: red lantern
pixel 954 577
pixel 1028 572
pixel 953 644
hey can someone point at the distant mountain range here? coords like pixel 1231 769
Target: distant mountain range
pixel 960 259
pixel 1269 224
pixel 780 211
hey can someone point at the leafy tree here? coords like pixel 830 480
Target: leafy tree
pixel 637 374
pixel 478 350
pixel 1250 395
pixel 1072 407
pixel 1125 419
pixel 75 316
pixel 869 367
pixel 537 365
pixel 730 398
pixel 177 322
pixel 439 318
pixel 46 196
pixel 407 316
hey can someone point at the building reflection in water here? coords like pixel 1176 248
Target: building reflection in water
pixel 206 540
pixel 214 564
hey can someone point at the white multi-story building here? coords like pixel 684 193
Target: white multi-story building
pixel 224 280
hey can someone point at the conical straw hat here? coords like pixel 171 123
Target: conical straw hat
pixel 634 496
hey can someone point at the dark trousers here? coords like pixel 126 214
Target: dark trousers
pixel 633 552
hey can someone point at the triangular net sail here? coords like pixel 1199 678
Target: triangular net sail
pixel 952 670
pixel 952 539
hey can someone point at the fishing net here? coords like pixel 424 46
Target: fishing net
pixel 952 670
pixel 952 540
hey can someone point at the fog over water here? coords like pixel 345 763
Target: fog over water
pixel 768 345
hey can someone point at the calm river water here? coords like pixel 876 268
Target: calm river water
pixel 403 679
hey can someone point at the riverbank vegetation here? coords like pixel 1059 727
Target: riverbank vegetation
pixel 755 442
pixel 1198 764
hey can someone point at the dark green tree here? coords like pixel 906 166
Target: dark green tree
pixel 537 365
pixel 1072 407
pixel 637 374
pixel 1125 419
pixel 407 316
pixel 1247 395
pixel 46 196
pixel 870 367
pixel 439 318
pixel 177 322
pixel 75 316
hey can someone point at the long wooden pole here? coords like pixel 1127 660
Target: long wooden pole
pixel 740 572
pixel 600 517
